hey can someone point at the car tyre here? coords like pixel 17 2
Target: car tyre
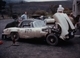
pixel 4 36
pixel 14 35
pixel 52 39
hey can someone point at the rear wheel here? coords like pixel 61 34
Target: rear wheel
pixel 52 39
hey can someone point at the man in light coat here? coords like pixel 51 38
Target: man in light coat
pixel 24 16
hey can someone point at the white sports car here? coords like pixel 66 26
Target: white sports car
pixel 30 28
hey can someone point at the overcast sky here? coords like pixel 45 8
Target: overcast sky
pixel 44 0
pixel 33 0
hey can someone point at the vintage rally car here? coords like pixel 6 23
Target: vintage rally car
pixel 30 28
pixel 61 28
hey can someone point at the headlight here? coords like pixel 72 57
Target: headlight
pixel 3 30
pixel 6 30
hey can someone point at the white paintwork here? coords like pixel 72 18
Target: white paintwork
pixel 26 32
pixel 50 20
pixel 64 21
pixel 69 21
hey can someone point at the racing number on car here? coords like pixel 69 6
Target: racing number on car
pixel 28 32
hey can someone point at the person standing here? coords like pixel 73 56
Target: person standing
pixel 60 9
pixel 71 18
pixel 24 16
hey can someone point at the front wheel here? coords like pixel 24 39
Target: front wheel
pixel 14 36
pixel 52 39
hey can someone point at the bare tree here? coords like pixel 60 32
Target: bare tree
pixel 10 9
pixel 53 8
pixel 2 7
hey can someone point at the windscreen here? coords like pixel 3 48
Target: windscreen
pixel 39 23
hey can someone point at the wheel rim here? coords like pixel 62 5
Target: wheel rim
pixel 14 36
pixel 52 39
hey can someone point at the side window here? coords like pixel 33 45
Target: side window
pixel 39 23
pixel 25 24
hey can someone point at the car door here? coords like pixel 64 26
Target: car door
pixel 32 32
pixel 36 32
pixel 28 33
pixel 22 32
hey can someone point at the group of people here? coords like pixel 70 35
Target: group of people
pixel 60 9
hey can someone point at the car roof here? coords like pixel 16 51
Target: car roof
pixel 31 20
